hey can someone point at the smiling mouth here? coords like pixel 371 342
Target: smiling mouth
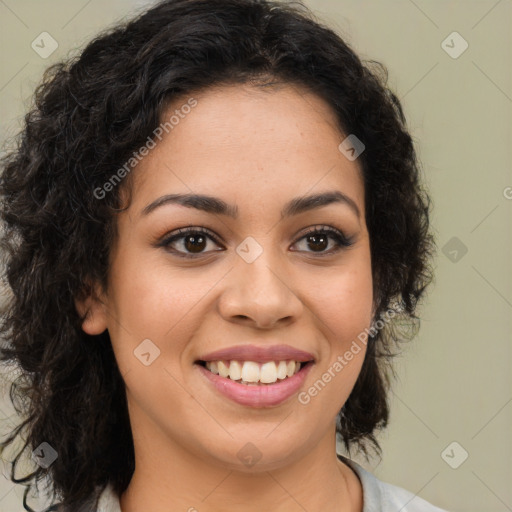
pixel 251 373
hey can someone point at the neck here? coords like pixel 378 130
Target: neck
pixel 169 478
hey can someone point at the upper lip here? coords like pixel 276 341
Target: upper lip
pixel 258 354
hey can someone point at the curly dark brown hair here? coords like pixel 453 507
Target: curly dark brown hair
pixel 89 115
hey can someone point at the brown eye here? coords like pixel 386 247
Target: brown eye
pixel 317 240
pixel 194 243
pixel 188 243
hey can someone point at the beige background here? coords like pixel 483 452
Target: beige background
pixel 455 380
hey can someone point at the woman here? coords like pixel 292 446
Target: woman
pixel 214 228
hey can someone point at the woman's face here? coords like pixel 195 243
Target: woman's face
pixel 255 280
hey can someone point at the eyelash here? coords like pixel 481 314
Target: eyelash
pixel 338 236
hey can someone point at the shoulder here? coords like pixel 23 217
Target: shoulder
pixel 380 496
pixel 108 501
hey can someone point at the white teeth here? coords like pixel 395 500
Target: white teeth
pixel 223 369
pixel 281 370
pixel 252 373
pixel 268 372
pixel 235 370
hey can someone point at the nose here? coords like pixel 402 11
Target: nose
pixel 260 294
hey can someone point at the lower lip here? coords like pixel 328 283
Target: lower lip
pixel 265 395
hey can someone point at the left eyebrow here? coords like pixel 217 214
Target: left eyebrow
pixel 215 205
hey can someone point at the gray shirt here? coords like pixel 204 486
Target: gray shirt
pixel 378 496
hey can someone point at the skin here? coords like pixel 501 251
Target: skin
pixel 256 149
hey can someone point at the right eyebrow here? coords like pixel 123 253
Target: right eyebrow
pixel 215 205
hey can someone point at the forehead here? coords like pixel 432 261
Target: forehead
pixel 251 143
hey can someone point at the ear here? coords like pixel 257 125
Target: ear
pixel 92 308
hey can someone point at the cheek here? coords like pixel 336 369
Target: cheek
pixel 344 313
pixel 349 307
pixel 152 300
pixel 343 302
